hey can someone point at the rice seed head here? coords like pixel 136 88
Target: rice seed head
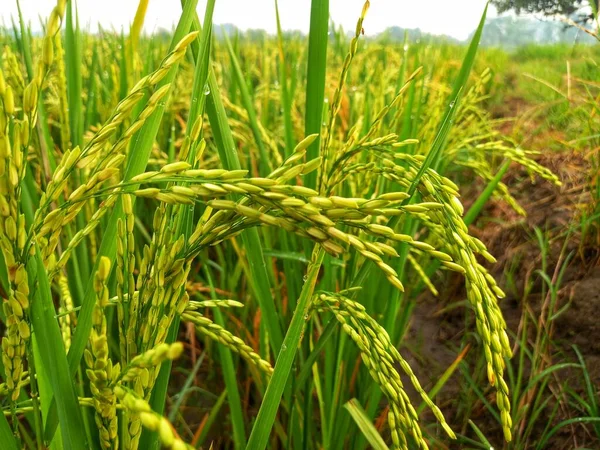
pixel 9 101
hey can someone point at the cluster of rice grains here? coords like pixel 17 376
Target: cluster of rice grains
pixel 18 115
pixel 380 356
pixel 100 163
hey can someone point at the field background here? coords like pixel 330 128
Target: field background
pixel 512 130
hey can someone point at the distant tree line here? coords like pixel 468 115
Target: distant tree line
pixel 580 10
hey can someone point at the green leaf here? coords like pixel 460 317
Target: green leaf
pixel 6 436
pixel 483 198
pixel 314 354
pixel 286 103
pixel 364 423
pixel 53 356
pixel 454 98
pixel 229 376
pixel 73 72
pixel 212 416
pixel 264 164
pixel 75 112
pixel 315 78
pixel 283 366
pixel 480 434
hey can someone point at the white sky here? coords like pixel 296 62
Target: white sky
pixel 455 18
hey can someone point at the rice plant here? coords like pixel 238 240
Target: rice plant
pixel 315 196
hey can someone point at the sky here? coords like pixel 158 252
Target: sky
pixel 456 18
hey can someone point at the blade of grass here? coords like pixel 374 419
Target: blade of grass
pixel 314 354
pixel 75 107
pixel 52 373
pixel 287 242
pixel 483 198
pixel 480 435
pixel 186 387
pixel 465 371
pixel 590 390
pixel 432 158
pixel 123 67
pixel 444 377
pixel 6 435
pixel 365 425
pixel 250 238
pixel 315 94
pixel 45 392
pixel 229 376
pixel 92 91
pixel 214 413
pixel 73 72
pixel 315 78
pixel 25 46
pixel 546 372
pixel 285 92
pixel 268 408
pixel 564 423
pixel 53 357
pixel 264 164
